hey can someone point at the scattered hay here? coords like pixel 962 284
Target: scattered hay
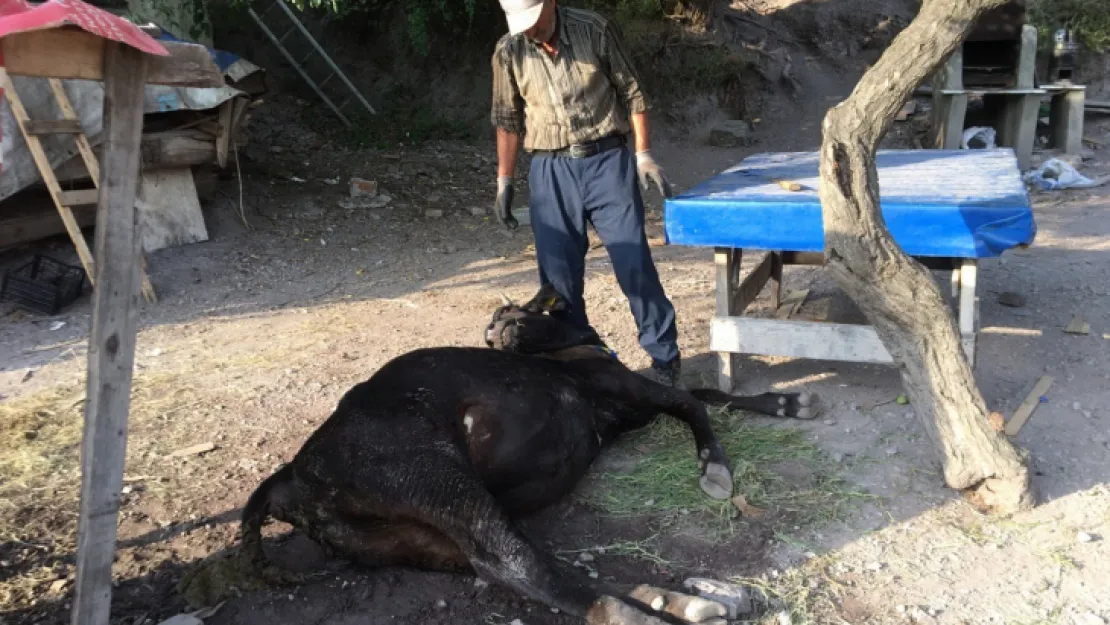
pixel 808 594
pixel 40 454
pixel 664 481
pixel 645 550
pixel 40 435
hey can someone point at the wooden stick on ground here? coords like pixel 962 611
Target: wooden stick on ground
pixel 1025 410
pixel 897 294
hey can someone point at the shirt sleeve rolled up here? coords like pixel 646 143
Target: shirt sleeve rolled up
pixel 507 110
pixel 622 72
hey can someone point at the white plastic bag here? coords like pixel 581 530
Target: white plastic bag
pixel 1055 174
pixel 985 135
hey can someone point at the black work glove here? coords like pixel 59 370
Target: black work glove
pixel 503 206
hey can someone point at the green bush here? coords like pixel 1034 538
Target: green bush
pixel 1090 19
pixel 425 17
pixel 451 18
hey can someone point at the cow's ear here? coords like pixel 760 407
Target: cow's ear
pixel 547 300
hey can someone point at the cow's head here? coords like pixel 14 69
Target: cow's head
pixel 532 329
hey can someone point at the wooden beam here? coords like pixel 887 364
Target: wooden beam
pixel 177 148
pixel 70 52
pixel 776 279
pixel 112 339
pixel 797 339
pixel 52 126
pixel 169 149
pixel 82 197
pixel 40 224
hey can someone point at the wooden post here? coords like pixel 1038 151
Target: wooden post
pixel 776 279
pixel 112 338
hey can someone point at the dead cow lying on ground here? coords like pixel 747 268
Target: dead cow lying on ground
pixel 428 463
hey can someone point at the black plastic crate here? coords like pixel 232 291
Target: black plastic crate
pixel 44 285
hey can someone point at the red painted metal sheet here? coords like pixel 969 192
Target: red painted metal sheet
pixel 18 16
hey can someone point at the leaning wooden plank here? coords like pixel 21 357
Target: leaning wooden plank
pixel 797 339
pixel 754 283
pixel 112 337
pixel 70 52
pixel 1025 410
pixel 169 210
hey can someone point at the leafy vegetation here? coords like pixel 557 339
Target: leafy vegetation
pixel 1090 20
pixel 427 19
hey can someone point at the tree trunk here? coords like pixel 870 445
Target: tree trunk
pixel 897 294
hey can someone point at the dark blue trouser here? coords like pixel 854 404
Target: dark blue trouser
pixel 565 192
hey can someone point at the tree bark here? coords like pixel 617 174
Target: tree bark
pixel 897 294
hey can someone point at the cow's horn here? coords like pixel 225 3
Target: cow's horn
pixel 505 300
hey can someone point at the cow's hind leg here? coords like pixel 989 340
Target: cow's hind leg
pixel 784 405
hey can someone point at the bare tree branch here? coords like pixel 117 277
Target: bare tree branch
pixel 898 295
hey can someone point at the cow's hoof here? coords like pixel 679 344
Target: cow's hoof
pixel 798 405
pixel 716 481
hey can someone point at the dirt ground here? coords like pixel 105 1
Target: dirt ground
pixel 260 330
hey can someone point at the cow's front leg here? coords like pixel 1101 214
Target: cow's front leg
pixel 646 398
pixel 437 490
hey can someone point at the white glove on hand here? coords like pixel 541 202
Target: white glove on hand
pixel 650 171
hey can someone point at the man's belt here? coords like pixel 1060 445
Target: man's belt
pixel 586 150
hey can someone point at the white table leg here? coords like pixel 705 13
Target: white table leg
pixel 727 262
pixel 969 307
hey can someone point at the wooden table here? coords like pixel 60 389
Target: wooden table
pixel 946 208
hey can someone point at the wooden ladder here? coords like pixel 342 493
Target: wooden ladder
pixel 32 129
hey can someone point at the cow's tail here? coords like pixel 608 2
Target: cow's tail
pixel 255 513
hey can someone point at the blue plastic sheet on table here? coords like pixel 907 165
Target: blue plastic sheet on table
pixel 936 203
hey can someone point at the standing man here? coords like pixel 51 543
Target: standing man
pixel 563 81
